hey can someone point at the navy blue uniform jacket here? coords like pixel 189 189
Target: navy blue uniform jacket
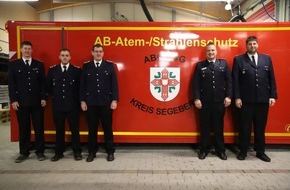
pixel 99 87
pixel 212 83
pixel 64 88
pixel 26 83
pixel 254 84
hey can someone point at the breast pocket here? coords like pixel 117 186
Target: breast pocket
pixel 244 71
pixel 204 72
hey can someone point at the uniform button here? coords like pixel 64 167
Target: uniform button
pixel 63 96
pixel 213 81
pixel 29 84
pixel 257 79
pixel 213 86
pixel 28 72
pixel 257 85
pixel 97 79
pixel 212 72
pixel 98 85
pixel 63 90
pixel 256 74
pixel 98 90
pixel 63 85
pixel 29 89
pixel 29 78
pixel 213 77
pixel 63 79
pixel 97 74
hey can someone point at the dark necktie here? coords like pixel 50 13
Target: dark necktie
pixel 64 69
pixel 98 65
pixel 253 60
pixel 27 63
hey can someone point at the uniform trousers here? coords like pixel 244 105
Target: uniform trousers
pixel 253 114
pixel 212 116
pixel 26 115
pixel 94 115
pixel 72 117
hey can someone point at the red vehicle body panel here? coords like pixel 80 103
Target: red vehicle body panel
pixel 142 49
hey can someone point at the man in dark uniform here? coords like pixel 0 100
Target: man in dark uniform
pixel 99 96
pixel 63 84
pixel 212 93
pixel 254 91
pixel 26 83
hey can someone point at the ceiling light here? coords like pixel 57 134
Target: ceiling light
pixel 17 0
pixel 189 0
pixel 228 6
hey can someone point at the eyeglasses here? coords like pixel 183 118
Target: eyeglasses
pixel 99 51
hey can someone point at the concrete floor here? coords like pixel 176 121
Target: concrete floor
pixel 143 167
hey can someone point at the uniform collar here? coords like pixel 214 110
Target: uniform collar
pixel 211 61
pixel 29 60
pixel 67 66
pixel 100 62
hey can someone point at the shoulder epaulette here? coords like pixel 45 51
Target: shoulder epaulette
pixel 52 66
pixel 76 66
pixel 109 61
pixel 86 62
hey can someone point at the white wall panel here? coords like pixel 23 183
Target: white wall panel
pixel 44 16
pixel 82 13
pixel 162 14
pixel 188 17
pixel 64 14
pixel 139 14
pixel 125 9
pixel 131 11
pixel 102 12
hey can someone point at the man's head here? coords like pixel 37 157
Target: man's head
pixel 211 51
pixel 64 56
pixel 26 49
pixel 97 52
pixel 252 44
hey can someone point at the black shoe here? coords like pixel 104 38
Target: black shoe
pixel 263 157
pixel 21 158
pixel 91 157
pixel 241 156
pixel 202 155
pixel 56 157
pixel 110 157
pixel 222 155
pixel 41 157
pixel 78 156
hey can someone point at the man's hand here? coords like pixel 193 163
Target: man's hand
pixel 198 103
pixel 239 103
pixel 15 105
pixel 272 102
pixel 227 102
pixel 84 106
pixel 114 105
pixel 43 103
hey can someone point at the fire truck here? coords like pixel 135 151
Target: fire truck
pixel 155 62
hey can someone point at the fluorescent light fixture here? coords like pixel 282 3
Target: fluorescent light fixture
pixel 17 0
pixel 228 5
pixel 188 0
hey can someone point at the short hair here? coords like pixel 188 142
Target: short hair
pixel 251 38
pixel 210 44
pixel 64 49
pixel 25 43
pixel 96 46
